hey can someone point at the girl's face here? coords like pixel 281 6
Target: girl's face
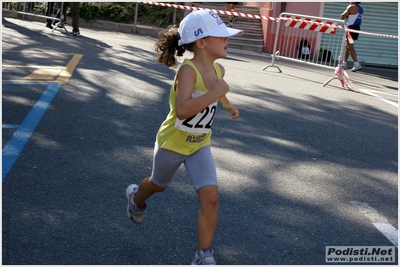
pixel 217 46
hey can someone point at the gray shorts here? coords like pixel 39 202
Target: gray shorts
pixel 199 166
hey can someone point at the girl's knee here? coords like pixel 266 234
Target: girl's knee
pixel 156 188
pixel 208 195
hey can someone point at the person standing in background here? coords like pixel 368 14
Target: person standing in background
pixel 49 11
pixel 353 14
pixel 74 7
pixel 231 6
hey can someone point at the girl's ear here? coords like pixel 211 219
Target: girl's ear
pixel 200 43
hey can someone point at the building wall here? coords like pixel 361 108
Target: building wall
pixel 379 18
pixel 274 9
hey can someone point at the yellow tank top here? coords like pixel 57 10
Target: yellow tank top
pixel 189 135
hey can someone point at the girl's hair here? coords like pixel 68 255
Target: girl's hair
pixel 167 47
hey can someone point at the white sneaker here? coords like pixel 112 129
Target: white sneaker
pixel 229 24
pixel 344 65
pixel 204 258
pixel 356 67
pixel 134 213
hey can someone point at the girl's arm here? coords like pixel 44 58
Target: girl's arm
pixel 225 102
pixel 228 106
pixel 186 106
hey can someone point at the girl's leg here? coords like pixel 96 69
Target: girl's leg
pixel 208 215
pixel 201 170
pixel 165 164
pixel 146 189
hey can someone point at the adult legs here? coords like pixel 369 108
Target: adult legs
pixel 229 7
pixel 350 51
pixel 74 6
pixel 49 11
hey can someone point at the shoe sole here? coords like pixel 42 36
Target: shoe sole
pixel 355 70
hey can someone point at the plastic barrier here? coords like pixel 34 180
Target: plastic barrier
pixel 314 40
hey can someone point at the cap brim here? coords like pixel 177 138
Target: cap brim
pixel 226 32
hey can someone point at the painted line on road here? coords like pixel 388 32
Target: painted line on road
pixel 10 126
pixel 23 82
pixel 20 138
pixel 64 76
pixel 30 52
pixel 29 67
pixel 51 74
pixel 380 222
pixel 55 78
pixel 368 92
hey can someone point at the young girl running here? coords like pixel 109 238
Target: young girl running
pixel 184 137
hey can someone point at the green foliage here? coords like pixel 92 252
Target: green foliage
pixel 30 7
pixel 125 12
pixel 90 10
pixel 113 11
pixel 18 6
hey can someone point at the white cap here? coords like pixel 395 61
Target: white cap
pixel 203 23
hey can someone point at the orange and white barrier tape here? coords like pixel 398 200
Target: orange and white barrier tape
pixel 306 25
pixel 297 20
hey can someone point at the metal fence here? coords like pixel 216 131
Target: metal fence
pixel 36 9
pixel 314 40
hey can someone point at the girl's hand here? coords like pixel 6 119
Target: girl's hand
pixel 219 87
pixel 234 110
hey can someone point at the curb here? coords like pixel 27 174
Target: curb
pixel 119 27
pixel 95 24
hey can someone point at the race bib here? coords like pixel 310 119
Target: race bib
pixel 201 122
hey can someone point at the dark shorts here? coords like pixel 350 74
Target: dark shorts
pixel 353 34
pixel 232 3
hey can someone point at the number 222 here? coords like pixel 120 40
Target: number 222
pixel 206 111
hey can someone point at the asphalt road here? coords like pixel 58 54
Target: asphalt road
pixel 295 170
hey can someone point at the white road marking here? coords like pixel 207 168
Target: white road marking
pixel 369 92
pixel 389 231
pixel 380 222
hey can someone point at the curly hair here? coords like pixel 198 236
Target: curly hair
pixel 167 47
